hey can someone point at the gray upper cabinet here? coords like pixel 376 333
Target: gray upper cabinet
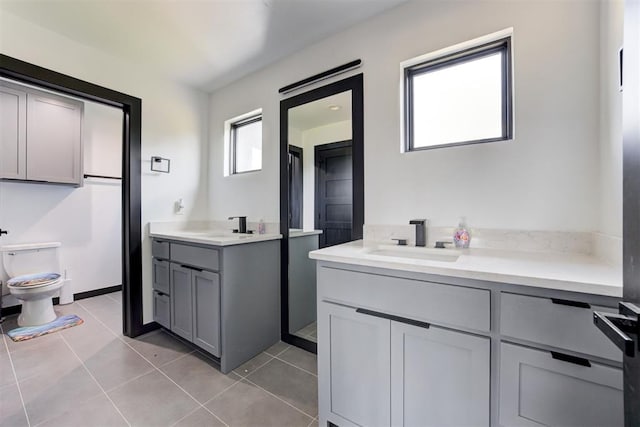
pixel 41 136
pixel 439 377
pixel 13 130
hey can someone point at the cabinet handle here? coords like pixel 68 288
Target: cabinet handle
pixel 394 318
pixel 188 267
pixel 570 303
pixel 571 359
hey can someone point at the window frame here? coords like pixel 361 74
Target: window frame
pixel 233 127
pixel 458 56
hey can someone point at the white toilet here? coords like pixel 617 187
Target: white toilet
pixel 35 277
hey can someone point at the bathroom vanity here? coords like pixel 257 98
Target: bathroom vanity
pixel 219 291
pixel 412 336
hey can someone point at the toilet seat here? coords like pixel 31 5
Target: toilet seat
pixel 33 281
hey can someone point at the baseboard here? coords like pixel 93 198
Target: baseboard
pixel 17 309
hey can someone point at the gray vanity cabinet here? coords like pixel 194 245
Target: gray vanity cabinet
pixel 41 136
pixel 224 299
pixel 383 372
pixel 537 389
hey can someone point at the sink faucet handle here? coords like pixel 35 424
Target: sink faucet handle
pixel 401 242
pixel 418 222
pixel 242 223
pixel 442 244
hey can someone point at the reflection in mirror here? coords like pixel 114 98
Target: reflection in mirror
pixel 320 172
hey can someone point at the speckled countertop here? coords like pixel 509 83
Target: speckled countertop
pixel 552 270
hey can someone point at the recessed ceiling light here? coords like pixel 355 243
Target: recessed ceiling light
pixel 334 107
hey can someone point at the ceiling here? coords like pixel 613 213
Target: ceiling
pixel 202 43
pixel 317 113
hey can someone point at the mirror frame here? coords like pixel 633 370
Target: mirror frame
pixel 355 85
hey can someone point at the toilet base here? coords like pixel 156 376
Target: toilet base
pixel 36 312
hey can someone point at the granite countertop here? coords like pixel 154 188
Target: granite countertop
pixel 562 271
pixel 213 237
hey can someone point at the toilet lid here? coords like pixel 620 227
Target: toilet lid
pixel 33 280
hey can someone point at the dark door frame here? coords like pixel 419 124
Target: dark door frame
pixel 355 85
pixel 316 201
pixel 131 106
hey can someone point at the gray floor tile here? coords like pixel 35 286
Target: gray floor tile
pixel 152 400
pixel 116 296
pixel 314 423
pixel 199 376
pixel 253 364
pixel 160 347
pixel 11 410
pixel 247 405
pixel 54 393
pixel 10 323
pixel 6 371
pixel 50 357
pixel 116 364
pixel 289 383
pixel 300 358
pixel 200 418
pixel 277 348
pixel 100 409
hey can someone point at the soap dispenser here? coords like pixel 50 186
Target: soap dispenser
pixel 462 237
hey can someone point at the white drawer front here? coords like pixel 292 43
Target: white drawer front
pixel 542 321
pixel 538 390
pixel 414 299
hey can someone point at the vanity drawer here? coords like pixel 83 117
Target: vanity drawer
pixel 448 305
pixel 558 324
pixel 161 276
pixel 160 249
pixel 162 309
pixel 196 256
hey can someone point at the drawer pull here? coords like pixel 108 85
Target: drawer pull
pixel 188 267
pixel 571 359
pixel 394 318
pixel 570 303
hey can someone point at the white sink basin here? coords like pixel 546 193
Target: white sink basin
pixel 426 254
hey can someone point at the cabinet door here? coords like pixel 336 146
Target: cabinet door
pixel 13 128
pixel 538 390
pixel 439 377
pixel 206 311
pixel 354 368
pixel 54 145
pixel 181 301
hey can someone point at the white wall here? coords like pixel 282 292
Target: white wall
pixel 86 220
pixel 334 132
pixel 611 29
pixel 174 121
pixel 547 178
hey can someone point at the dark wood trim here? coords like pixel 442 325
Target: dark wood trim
pixel 355 84
pixel 131 106
pixel 322 76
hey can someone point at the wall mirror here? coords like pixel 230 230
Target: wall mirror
pixel 321 192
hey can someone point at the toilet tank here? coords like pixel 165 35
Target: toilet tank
pixel 31 258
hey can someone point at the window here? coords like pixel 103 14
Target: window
pixel 246 145
pixel 462 96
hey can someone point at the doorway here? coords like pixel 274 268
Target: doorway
pixel 131 107
pixel 334 193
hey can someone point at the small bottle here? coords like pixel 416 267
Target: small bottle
pixel 461 237
pixel 261 227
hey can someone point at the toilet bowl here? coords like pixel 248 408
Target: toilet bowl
pixel 34 290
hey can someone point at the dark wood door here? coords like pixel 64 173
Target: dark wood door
pixel 334 193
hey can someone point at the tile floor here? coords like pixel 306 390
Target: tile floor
pixel 92 375
pixel 309 332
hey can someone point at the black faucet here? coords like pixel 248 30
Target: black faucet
pixel 421 231
pixel 242 224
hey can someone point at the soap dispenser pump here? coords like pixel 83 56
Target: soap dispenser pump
pixel 462 237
